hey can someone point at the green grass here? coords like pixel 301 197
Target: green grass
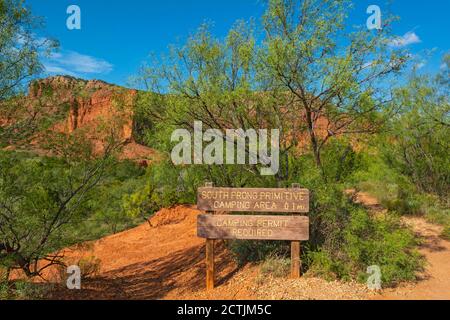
pixel 276 266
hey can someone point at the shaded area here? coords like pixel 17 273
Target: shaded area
pixel 175 265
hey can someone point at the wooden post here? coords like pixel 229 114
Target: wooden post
pixel 209 264
pixel 209 255
pixel 295 259
pixel 295 251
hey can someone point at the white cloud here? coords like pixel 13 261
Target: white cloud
pixel 56 55
pixel 407 39
pixel 58 70
pixel 71 63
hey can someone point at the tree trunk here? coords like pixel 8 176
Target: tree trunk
pixel 314 143
pixel 8 273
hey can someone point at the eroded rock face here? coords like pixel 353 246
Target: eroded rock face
pixel 92 106
pixel 90 103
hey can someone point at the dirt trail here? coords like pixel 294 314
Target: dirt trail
pixel 165 260
pixel 434 282
pixel 149 262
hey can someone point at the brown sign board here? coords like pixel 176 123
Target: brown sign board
pixel 294 200
pixel 294 228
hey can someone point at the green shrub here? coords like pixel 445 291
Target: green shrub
pixel 22 290
pixel 446 233
pixel 4 290
pixel 321 264
pixel 255 251
pixel 383 242
pixel 397 193
pixel 341 160
pixel 276 266
pixel 89 266
pixel 164 185
pixel 25 290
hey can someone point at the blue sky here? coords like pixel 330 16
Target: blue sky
pixel 116 36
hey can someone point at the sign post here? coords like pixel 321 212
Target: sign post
pixel 295 259
pixel 295 251
pixel 209 264
pixel 212 227
pixel 209 254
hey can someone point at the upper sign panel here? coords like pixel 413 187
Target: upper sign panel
pixel 253 200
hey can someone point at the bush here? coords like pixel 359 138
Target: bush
pixel 341 160
pixel 276 266
pixel 383 242
pixel 89 266
pixel 162 186
pixel 321 264
pixel 370 241
pixel 418 143
pixel 25 290
pixel 446 233
pixel 255 251
pixel 4 290
pixel 21 290
pixel 397 193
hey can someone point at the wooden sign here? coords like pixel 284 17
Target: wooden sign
pixel 293 200
pixel 253 227
pixel 213 227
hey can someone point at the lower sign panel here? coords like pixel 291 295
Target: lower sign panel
pixel 292 228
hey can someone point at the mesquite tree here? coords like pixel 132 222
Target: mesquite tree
pixel 19 47
pixel 305 72
pixel 336 78
pixel 20 51
pixel 42 198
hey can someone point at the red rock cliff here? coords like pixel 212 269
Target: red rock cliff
pixel 93 104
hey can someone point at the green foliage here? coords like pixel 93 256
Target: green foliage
pixel 4 290
pixel 396 191
pixel 40 200
pixel 253 251
pixel 321 264
pixel 107 205
pixel 341 160
pixel 163 186
pixel 418 143
pixel 20 49
pixel 446 233
pixel 369 241
pixel 26 290
pixel 22 290
pixel 381 241
pixel 276 266
pixel 305 69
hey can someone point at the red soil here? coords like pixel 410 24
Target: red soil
pixel 164 259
